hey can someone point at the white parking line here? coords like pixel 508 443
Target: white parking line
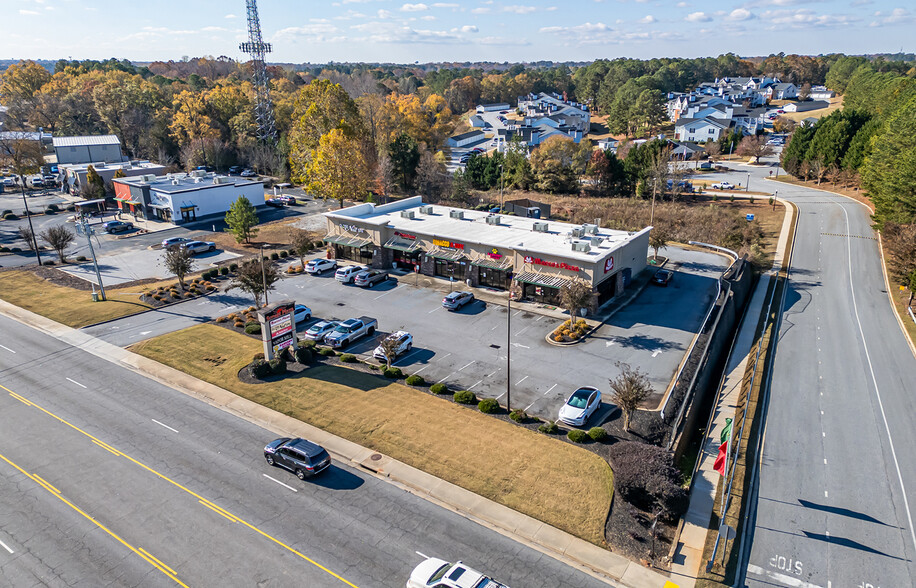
pixel 470 364
pixel 523 330
pixel 549 389
pixel 522 380
pixel 434 310
pixel 385 294
pixel 164 425
pixel 6 547
pixel 475 385
pixel 281 483
pixel 656 352
pixel 7 348
pixel 77 383
pixel 491 375
pixel 406 356
pixel 445 378
pixel 517 313
pixel 421 369
pixel 424 556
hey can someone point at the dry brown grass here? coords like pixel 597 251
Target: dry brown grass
pixel 273 235
pixel 553 481
pixel 836 103
pixel 65 305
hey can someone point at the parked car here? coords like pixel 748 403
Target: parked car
pixel 662 277
pixel 351 331
pixel 477 150
pixel 287 199
pixel 402 339
pixel 275 202
pixel 235 170
pixel 369 278
pixel 456 300
pixel 346 274
pixel 175 242
pixel 504 112
pixel 317 331
pixel 247 173
pixel 319 266
pixel 723 186
pixel 302 313
pixel 581 405
pixel 300 456
pixel 195 247
pixel 206 168
pixel 439 573
pixel 117 226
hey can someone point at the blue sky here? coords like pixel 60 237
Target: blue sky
pixel 474 30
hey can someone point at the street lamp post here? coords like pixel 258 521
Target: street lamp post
pixel 775 196
pixel 747 184
pixel 263 275
pixel 508 352
pixel 501 188
pixel 29 216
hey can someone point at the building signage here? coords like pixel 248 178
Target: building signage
pixel 495 254
pixel 353 228
pixel 609 264
pixel 448 244
pixel 280 327
pixel 556 264
pixel 406 235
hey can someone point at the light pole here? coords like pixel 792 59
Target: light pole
pixel 87 230
pixel 775 196
pixel 508 352
pixel 29 216
pixel 501 188
pixel 263 275
pixel 747 184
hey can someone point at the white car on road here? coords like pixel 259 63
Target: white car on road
pixel 723 186
pixel 438 573
pixel 302 313
pixel 319 266
pixel 346 274
pixel 195 247
pixel 580 406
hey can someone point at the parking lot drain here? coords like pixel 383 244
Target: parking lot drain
pixel 340 304
pixel 375 456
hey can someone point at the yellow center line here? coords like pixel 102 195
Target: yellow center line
pixel 218 510
pixel 158 561
pixel 200 498
pixel 54 492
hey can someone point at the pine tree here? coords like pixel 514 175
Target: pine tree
pixel 242 220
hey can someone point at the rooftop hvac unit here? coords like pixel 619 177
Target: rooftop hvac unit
pixel 175 182
pixel 581 246
pixel 407 214
pixel 590 229
pixel 148 178
pixel 596 241
pixel 198 173
pixel 539 227
pixel 220 180
pixel 198 179
pixel 426 209
pixel 456 214
pixel 578 233
pixel 492 219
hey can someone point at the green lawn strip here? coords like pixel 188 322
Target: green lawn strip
pixel 68 306
pixel 562 485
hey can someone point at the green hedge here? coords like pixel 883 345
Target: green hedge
pixel 393 373
pixel 438 388
pixel 488 406
pixel 327 352
pixel 518 415
pixel 465 397
pixel 278 365
pixel 550 428
pixel 259 369
pixel 253 328
pixel 577 436
pixel 348 358
pixel 597 433
pixel 303 355
pixel 415 380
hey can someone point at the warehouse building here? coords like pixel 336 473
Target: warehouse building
pixel 485 249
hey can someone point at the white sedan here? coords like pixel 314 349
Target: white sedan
pixel 438 573
pixel 195 247
pixel 403 342
pixel 302 313
pixel 580 406
pixel 319 266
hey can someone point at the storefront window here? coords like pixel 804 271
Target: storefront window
pixel 451 269
pixel 405 260
pixel 544 294
pixel 495 278
pixel 361 255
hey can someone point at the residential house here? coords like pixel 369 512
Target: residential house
pixel 535 106
pixel 821 93
pixel 477 122
pixel 783 91
pixel 609 144
pixel 806 106
pixel 686 151
pixel 700 129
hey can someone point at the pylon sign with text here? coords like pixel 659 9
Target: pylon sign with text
pixel 278 328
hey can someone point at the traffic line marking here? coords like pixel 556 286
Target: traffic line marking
pixel 218 510
pixel 656 352
pixel 423 555
pixel 78 384
pixel 522 380
pixel 107 447
pixel 155 559
pixel 523 330
pixel 6 547
pixel 475 385
pixel 7 348
pixel 20 399
pixel 164 425
pixel 177 485
pixel 281 483
pixel 781 578
pixel 470 364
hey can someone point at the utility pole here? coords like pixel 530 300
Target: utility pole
pixel 263 275
pixel 87 230
pixel 508 353
pixel 747 185
pixel 29 216
pixel 775 196
pixel 500 188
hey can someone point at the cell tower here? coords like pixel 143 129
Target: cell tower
pixel 258 50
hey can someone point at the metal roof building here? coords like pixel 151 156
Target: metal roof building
pixel 89 149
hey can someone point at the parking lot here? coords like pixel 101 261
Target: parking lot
pixel 467 349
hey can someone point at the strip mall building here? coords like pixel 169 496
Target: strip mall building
pixel 486 249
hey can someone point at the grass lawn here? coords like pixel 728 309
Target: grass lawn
pixel 68 306
pixel 550 480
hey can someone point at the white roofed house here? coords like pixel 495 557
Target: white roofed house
pixel 88 149
pixel 700 129
pixel 493 107
pixel 783 91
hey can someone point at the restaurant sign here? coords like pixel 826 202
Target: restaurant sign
pixel 556 264
pixel 609 264
pixel 447 244
pixel 406 235
pixel 280 330
pixel 495 254
pixel 353 228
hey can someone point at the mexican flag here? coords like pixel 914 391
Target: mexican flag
pixel 719 464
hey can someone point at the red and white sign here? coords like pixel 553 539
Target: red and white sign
pixel 406 235
pixel 557 264
pixel 609 264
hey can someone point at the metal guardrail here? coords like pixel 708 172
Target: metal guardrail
pixel 909 310
pixel 716 247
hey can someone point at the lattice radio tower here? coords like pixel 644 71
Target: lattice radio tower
pixel 258 50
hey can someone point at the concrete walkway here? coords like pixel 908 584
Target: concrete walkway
pixel 600 563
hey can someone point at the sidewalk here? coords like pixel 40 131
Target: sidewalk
pixel 612 568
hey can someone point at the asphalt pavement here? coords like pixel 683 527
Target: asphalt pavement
pixel 110 478
pixel 835 499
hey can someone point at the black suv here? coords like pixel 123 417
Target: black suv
pixel 299 456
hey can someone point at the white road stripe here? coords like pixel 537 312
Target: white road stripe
pixel 445 378
pixel 434 310
pixel 406 356
pixel 423 555
pixel 491 375
pixel 11 351
pixel 77 383
pixel 6 547
pixel 475 385
pixel 281 483
pixel 493 329
pixel 385 294
pixel 164 425
pixel 470 364
pixel 781 578
pixel 549 389
pixel 421 369
pixel 522 380
pixel 523 330
pixel 656 352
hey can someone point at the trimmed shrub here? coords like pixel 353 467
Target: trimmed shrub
pixel 518 415
pixel 259 369
pixel 236 324
pixel 257 356
pixel 597 433
pixel 439 389
pixel 53 208
pixel 223 271
pixel 488 406
pixel 50 210
pixel 274 256
pixel 415 380
pixel 48 262
pixel 348 358
pixel 327 352
pixel 220 319
pixel 577 436
pixel 465 397
pixel 308 344
pixel 71 208
pixel 278 365
pixel 373 367
pixel 284 253
pixel 645 475
pixel 303 355
pixel 10 216
pixel 253 328
pixel 233 267
pixel 4 249
pixel 6 212
pixel 550 428
pixel 393 373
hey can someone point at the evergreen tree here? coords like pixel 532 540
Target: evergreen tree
pixel 890 169
pixel 242 220
pixel 405 156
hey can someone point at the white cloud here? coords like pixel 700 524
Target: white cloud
pixel 313 33
pixel 698 17
pixel 384 14
pixel 516 9
pixel 469 29
pixel 647 19
pixel 28 12
pixel 579 29
pixel 230 16
pixel 482 10
pixel 804 18
pixel 414 7
pixel 739 14
pixel 445 5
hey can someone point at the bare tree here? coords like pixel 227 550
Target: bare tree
pixel 389 346
pixel 754 146
pixel 817 169
pixel 59 238
pixel 432 177
pixel 804 92
pixel 575 294
pixel 256 277
pixel 804 169
pixel 25 233
pixel 833 173
pixel 177 260
pixel 300 243
pixel 713 150
pixel 629 390
pixel 23 156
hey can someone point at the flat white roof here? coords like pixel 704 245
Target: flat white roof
pixel 86 140
pixel 513 232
